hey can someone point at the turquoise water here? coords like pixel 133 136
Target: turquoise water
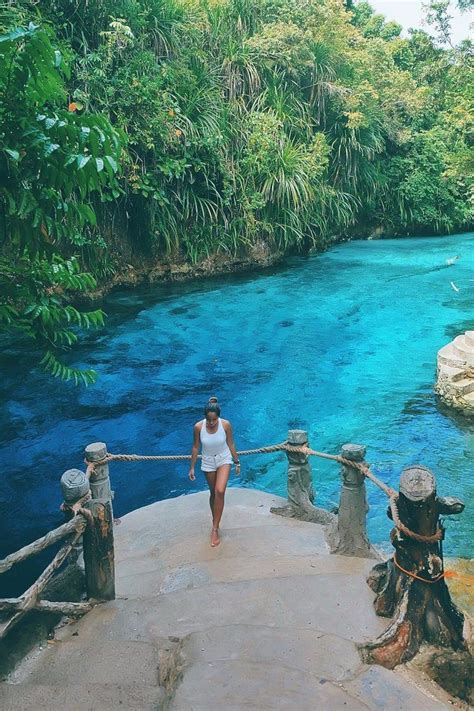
pixel 342 344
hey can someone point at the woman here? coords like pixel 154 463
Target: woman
pixel 218 452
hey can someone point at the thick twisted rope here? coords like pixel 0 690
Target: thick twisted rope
pixel 77 508
pixel 178 457
pixel 285 446
pixel 388 491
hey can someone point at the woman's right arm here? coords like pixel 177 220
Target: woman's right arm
pixel 195 450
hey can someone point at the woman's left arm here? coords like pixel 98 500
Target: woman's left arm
pixel 231 445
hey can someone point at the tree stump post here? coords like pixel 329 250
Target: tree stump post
pixel 410 587
pixel 300 487
pixel 100 480
pixel 348 533
pixel 74 486
pixel 99 551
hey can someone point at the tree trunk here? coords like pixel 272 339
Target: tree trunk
pixel 300 485
pixel 99 552
pixel 410 587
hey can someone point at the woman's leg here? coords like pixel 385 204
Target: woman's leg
pixel 222 477
pixel 211 482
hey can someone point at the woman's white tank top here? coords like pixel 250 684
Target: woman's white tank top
pixel 214 444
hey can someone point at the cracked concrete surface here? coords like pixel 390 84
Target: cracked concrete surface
pixel 267 620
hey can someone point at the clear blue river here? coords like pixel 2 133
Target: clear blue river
pixel 341 344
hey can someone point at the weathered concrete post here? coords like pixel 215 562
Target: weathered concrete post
pixel 300 486
pixel 99 538
pixel 348 534
pixel 100 480
pixel 74 486
pixel 99 551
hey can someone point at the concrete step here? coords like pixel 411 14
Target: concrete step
pixel 185 550
pixel 190 517
pixel 244 507
pixel 469 399
pixel 319 602
pixel 463 350
pixel 125 662
pixel 455 374
pixel 465 386
pixel 81 696
pixel 150 579
pixel 446 356
pixel 302 650
pixel 469 336
pixel 231 686
pixel 236 685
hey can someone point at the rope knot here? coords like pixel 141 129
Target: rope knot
pixel 77 508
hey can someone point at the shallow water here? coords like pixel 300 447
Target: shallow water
pixel 342 344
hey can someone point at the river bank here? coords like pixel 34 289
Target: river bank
pixel 133 272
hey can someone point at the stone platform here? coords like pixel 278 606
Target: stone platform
pixel 267 620
pixel 455 375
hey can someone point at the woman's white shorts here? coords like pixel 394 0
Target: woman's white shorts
pixel 213 462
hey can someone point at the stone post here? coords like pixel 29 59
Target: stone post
pixel 300 487
pixel 100 480
pixel 348 535
pixel 99 538
pixel 74 485
pixel 99 551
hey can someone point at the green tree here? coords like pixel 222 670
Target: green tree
pixel 52 162
pixel 421 195
pixel 249 123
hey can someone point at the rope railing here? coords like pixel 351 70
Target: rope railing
pixel 85 517
pixel 94 515
pixel 29 599
pixel 40 544
pixel 388 491
pixel 285 446
pixel 109 457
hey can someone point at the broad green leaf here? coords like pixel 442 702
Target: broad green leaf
pixel 82 161
pixel 112 162
pixel 18 33
pixel 71 159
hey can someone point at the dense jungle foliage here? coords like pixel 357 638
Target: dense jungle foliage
pixel 190 127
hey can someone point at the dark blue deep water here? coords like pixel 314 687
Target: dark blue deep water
pixel 342 344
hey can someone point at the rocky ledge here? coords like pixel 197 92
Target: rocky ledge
pixel 455 375
pixel 134 272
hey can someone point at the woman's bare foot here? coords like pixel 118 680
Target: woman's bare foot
pixel 215 540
